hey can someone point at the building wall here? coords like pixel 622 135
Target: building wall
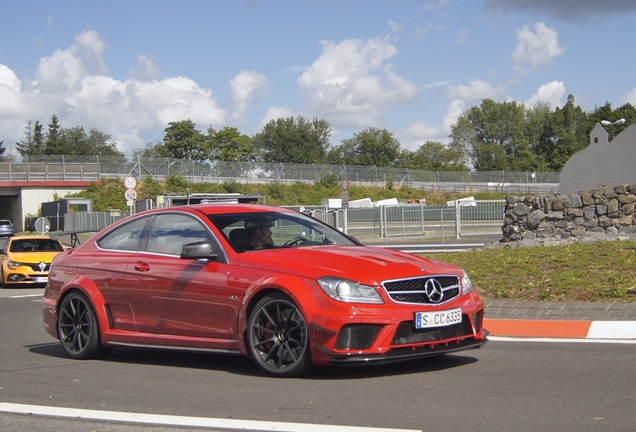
pixel 602 162
pixel 31 199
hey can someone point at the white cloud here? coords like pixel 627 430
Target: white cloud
pixel 453 111
pixel 90 49
pixel 422 31
pixel 10 89
pixel 536 48
pixel 416 134
pixel 274 113
pixel 244 87
pixel 551 93
pixel 145 70
pixel 352 84
pixel 68 83
pixel 629 97
pixel 395 26
pixel 474 90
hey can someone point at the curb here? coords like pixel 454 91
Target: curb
pixel 571 329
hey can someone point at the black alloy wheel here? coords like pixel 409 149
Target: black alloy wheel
pixel 277 337
pixel 77 327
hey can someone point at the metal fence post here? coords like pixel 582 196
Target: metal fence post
pixel 458 218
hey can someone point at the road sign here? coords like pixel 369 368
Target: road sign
pixel 130 194
pixel 130 182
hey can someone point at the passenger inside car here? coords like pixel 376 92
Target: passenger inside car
pixel 259 234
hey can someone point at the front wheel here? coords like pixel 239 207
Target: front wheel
pixel 77 327
pixel 277 337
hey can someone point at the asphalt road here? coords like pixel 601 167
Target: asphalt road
pixel 505 386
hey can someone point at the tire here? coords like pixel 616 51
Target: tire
pixel 77 327
pixel 277 337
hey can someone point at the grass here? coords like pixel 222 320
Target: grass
pixel 604 271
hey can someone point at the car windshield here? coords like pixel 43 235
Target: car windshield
pixel 266 230
pixel 36 245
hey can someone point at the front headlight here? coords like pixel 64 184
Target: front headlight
pixel 14 264
pixel 467 285
pixel 348 291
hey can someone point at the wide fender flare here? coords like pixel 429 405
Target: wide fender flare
pixel 295 287
pixel 88 288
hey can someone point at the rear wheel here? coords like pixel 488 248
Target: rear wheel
pixel 77 327
pixel 277 337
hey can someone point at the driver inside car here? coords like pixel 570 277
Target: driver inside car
pixel 259 234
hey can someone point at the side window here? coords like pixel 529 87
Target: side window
pixel 171 231
pixel 126 237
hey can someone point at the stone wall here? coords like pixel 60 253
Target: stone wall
pixel 604 211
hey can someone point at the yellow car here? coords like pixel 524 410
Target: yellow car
pixel 26 260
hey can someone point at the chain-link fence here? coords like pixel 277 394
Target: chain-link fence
pixel 93 168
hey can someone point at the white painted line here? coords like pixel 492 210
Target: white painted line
pixel 561 340
pixel 612 330
pixel 172 420
pixel 25 296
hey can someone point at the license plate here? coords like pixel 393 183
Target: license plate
pixel 438 318
pixel 41 279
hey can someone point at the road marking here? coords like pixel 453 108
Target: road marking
pixel 26 295
pixel 538 328
pixel 585 329
pixel 561 340
pixel 172 420
pixel 612 329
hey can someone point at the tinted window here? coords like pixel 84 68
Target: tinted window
pixel 285 229
pixel 171 231
pixel 126 237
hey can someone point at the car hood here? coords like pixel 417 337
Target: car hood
pixel 32 257
pixel 363 264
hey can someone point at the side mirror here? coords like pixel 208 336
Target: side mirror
pixel 199 250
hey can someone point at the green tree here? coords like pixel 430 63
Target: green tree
pixel 2 150
pixel 434 156
pixel 289 140
pixel 494 136
pixel 26 146
pixel 369 147
pixel 52 144
pixel 75 141
pixel 184 141
pixel 152 150
pixel 627 112
pixel 230 145
pixel 563 132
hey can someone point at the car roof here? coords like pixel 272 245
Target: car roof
pixel 31 237
pixel 223 208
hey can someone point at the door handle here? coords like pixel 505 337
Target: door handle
pixel 142 266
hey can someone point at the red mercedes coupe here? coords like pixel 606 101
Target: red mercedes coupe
pixel 270 283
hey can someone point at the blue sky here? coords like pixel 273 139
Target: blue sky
pixel 128 68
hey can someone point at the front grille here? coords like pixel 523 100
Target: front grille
pixel 357 336
pixel 36 268
pixel 406 334
pixel 413 290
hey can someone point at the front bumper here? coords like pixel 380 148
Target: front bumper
pixel 377 335
pixel 412 353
